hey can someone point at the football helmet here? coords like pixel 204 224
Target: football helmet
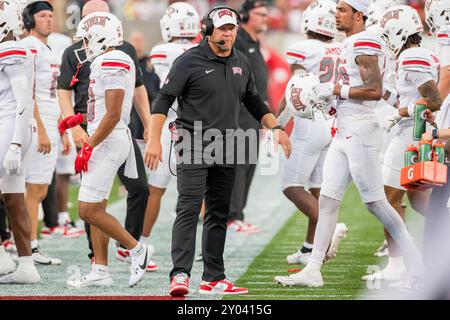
pixel 180 20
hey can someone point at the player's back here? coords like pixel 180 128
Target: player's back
pixel 359 44
pixel 162 57
pixel 12 52
pixel 107 72
pixel 415 66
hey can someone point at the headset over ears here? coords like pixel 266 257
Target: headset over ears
pixel 28 19
pixel 207 23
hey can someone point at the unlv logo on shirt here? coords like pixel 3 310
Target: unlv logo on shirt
pixel 295 98
pixel 237 70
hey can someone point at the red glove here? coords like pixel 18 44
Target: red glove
pixel 81 161
pixel 70 122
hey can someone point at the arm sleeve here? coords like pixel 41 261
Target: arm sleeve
pixel 173 87
pixel 67 71
pixel 252 101
pixel 23 95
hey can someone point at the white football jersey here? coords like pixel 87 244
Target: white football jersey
pixel 12 52
pixel 318 57
pixel 415 67
pixel 113 66
pixel 162 57
pixel 443 46
pixel 47 69
pixel 362 43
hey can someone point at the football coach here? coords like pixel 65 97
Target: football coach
pixel 210 82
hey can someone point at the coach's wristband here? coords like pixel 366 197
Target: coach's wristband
pixel 345 91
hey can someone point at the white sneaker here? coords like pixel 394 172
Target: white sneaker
pixel 298 258
pixel 386 274
pixel 382 251
pixel 304 278
pixel 339 233
pixel 7 265
pixel 92 279
pixel 28 276
pixel 139 264
pixel 41 258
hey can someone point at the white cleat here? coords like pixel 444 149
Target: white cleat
pixel 386 274
pixel 28 276
pixel 92 279
pixel 139 264
pixel 7 265
pixel 304 278
pixel 298 258
pixel 41 258
pixel 339 233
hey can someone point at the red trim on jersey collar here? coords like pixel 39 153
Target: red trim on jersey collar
pixel 367 44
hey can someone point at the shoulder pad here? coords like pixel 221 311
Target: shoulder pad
pixel 368 43
pixel 115 61
pixel 416 59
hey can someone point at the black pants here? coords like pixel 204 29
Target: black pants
pixel 136 200
pixel 195 183
pixel 50 205
pixel 241 187
pixel 5 234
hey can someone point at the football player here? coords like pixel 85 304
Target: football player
pixel 111 92
pixel 354 152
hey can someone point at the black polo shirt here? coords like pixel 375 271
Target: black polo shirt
pixel 69 65
pixel 210 89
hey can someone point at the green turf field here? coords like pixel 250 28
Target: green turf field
pixel 341 276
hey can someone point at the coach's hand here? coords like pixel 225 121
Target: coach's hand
pixel 153 154
pixel 82 159
pixel 44 144
pixel 282 139
pixel 79 136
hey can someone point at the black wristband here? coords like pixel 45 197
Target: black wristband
pixel 434 133
pixel 278 127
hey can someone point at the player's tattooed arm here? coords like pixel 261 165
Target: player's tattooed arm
pixel 430 93
pixel 372 87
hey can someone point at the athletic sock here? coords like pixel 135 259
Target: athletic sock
pixel 136 251
pixel 63 218
pixel 34 244
pixel 307 247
